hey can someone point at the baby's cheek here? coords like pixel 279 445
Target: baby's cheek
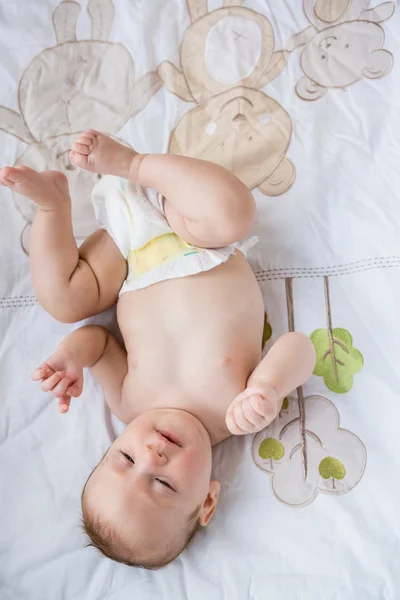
pixel 196 467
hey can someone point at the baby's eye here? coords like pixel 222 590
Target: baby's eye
pixel 128 457
pixel 165 484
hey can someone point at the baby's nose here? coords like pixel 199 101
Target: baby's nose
pixel 157 454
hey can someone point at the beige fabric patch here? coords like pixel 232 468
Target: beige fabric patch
pixel 68 88
pixel 343 44
pixel 227 55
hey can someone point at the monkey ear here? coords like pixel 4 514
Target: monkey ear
pixel 380 64
pixel 378 13
pixel 280 180
pixel 309 90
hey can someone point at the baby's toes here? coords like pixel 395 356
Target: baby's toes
pixel 4 176
pixel 11 175
pixel 89 138
pixel 85 139
pixel 78 159
pixel 81 147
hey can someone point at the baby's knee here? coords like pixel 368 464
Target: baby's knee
pixel 240 213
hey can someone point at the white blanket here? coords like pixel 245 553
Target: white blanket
pixel 301 102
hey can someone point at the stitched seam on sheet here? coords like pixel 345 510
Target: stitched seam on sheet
pixel 272 274
pixel 306 272
pixel 18 302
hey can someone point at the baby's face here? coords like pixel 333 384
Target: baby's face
pixel 153 477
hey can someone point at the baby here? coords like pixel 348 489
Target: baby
pixel 191 316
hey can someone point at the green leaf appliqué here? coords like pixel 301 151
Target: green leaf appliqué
pixel 271 449
pixel 331 469
pixel 267 331
pixel 337 359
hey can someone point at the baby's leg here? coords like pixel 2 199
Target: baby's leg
pixel 204 203
pixel 70 284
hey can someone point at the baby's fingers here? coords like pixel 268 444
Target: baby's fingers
pixel 52 381
pixel 252 411
pixel 74 390
pixel 63 404
pixel 231 420
pixel 60 389
pixel 42 372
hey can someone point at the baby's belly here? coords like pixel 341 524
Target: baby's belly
pixel 198 335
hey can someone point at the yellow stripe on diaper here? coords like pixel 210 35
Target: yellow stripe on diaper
pixel 162 250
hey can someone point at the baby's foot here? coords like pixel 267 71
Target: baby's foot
pixel 48 189
pixel 99 153
pixel 252 410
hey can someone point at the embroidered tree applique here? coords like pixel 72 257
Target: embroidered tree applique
pixel 304 450
pixel 337 359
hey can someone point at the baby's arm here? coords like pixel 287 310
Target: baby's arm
pixel 91 346
pixel 288 364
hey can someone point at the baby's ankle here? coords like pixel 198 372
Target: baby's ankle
pixel 134 167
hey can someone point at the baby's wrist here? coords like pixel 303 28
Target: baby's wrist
pixel 134 166
pixel 264 389
pixel 69 353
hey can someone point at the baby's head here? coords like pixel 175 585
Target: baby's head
pixel 152 490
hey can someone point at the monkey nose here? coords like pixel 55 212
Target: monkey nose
pixel 238 117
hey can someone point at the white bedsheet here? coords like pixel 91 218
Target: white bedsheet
pixel 328 262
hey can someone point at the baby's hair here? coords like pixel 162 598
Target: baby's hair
pixel 103 537
pixel 106 540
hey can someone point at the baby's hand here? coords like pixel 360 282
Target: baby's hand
pixel 252 410
pixel 62 376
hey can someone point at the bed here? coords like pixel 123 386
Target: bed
pixel 300 100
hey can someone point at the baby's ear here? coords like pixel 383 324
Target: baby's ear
pixel 210 503
pixel 380 64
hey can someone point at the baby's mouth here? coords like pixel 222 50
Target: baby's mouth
pixel 169 437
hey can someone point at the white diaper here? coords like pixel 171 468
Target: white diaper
pixel 135 220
